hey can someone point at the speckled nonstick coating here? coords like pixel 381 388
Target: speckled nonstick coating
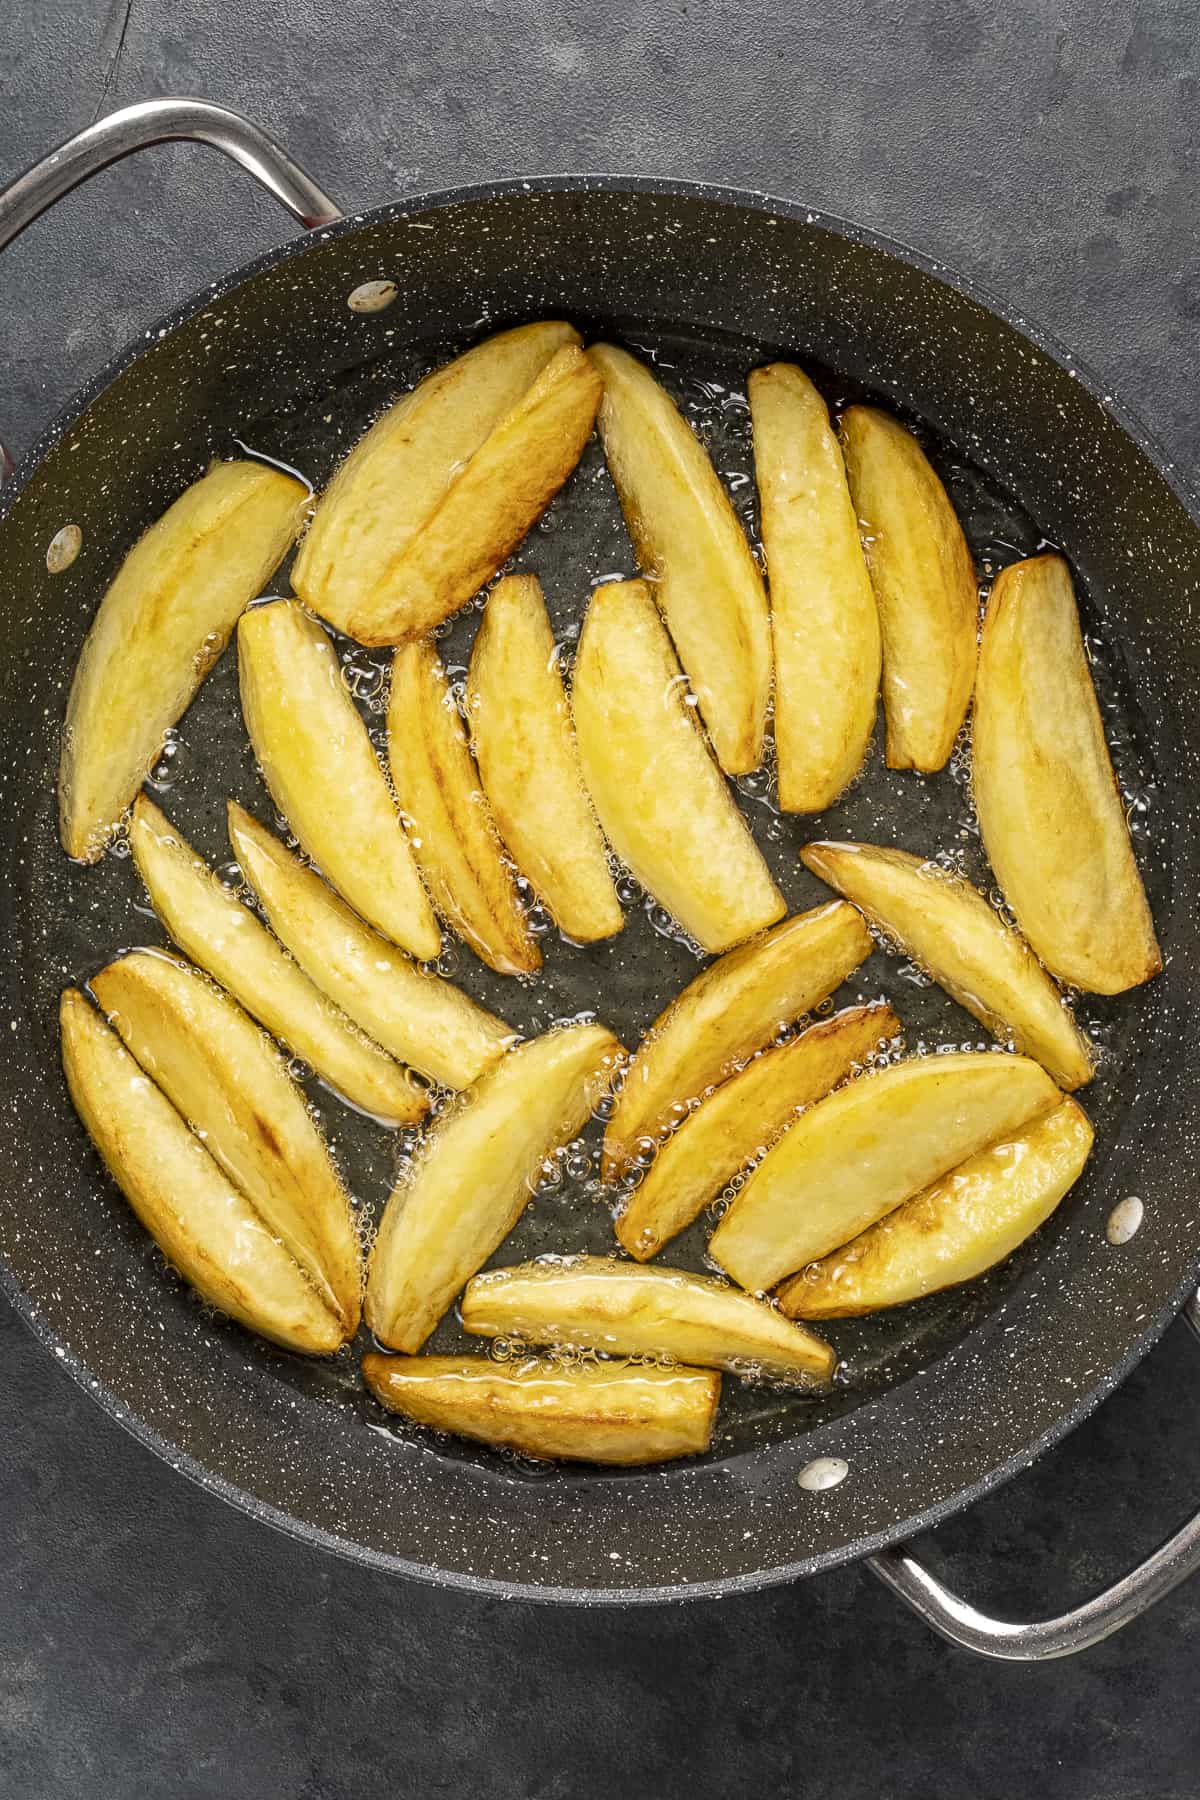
pixel 942 1399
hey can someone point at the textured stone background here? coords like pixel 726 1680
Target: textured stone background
pixel 154 1643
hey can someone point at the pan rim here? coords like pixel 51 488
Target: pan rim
pixel 1049 346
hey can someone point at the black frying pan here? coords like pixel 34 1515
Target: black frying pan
pixel 942 1399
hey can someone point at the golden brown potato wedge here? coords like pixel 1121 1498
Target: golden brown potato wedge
pixel 324 775
pixel 947 926
pixel 924 583
pixel 598 1412
pixel 969 1220
pixel 457 846
pixel 865 1149
pixel 727 1013
pixel 224 937
pixel 416 1016
pixel 159 629
pixel 593 1303
pixel 529 762
pixel 961 1224
pixel 398 475
pixel 204 1226
pixel 742 1118
pixel 691 546
pixel 229 1082
pixel 824 621
pixel 474 1174
pixel 1051 814
pixel 660 797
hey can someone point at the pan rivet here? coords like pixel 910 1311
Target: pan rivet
pixel 372 296
pixel 1124 1219
pixel 824 1472
pixel 65 546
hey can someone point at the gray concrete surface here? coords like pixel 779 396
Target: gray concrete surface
pixel 157 1646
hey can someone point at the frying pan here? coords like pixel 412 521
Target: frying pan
pixel 944 1399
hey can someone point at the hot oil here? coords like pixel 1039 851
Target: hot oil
pixel 85 916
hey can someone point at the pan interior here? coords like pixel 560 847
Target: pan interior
pixel 79 918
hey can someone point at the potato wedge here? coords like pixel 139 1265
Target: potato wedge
pixel 966 1222
pixel 226 1078
pixel 492 500
pixel 692 548
pixel 472 1177
pixel 324 775
pixel 947 927
pixel 660 797
pixel 396 477
pixel 728 1012
pixel 1051 814
pixel 597 1412
pixel 203 1225
pixel 529 762
pixel 417 1017
pixel 924 583
pixel 824 621
pixel 457 846
pixel 159 629
pixel 743 1117
pixel 213 927
pixel 865 1149
pixel 593 1303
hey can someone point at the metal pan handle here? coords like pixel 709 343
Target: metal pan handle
pixel 160 122
pixel 1038 1641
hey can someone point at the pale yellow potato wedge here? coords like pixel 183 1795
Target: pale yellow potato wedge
pixel 742 1118
pixel 454 836
pixel 476 1170
pixel 204 1226
pixel 324 775
pixel 924 583
pixel 159 629
pixel 824 621
pixel 661 800
pixel 213 927
pixel 728 1012
pixel 601 1413
pixel 862 1151
pixel 416 1016
pixel 396 477
pixel 592 1303
pixel 226 1078
pixel 1050 811
pixel 691 546
pixel 968 1221
pixel 948 928
pixel 529 762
